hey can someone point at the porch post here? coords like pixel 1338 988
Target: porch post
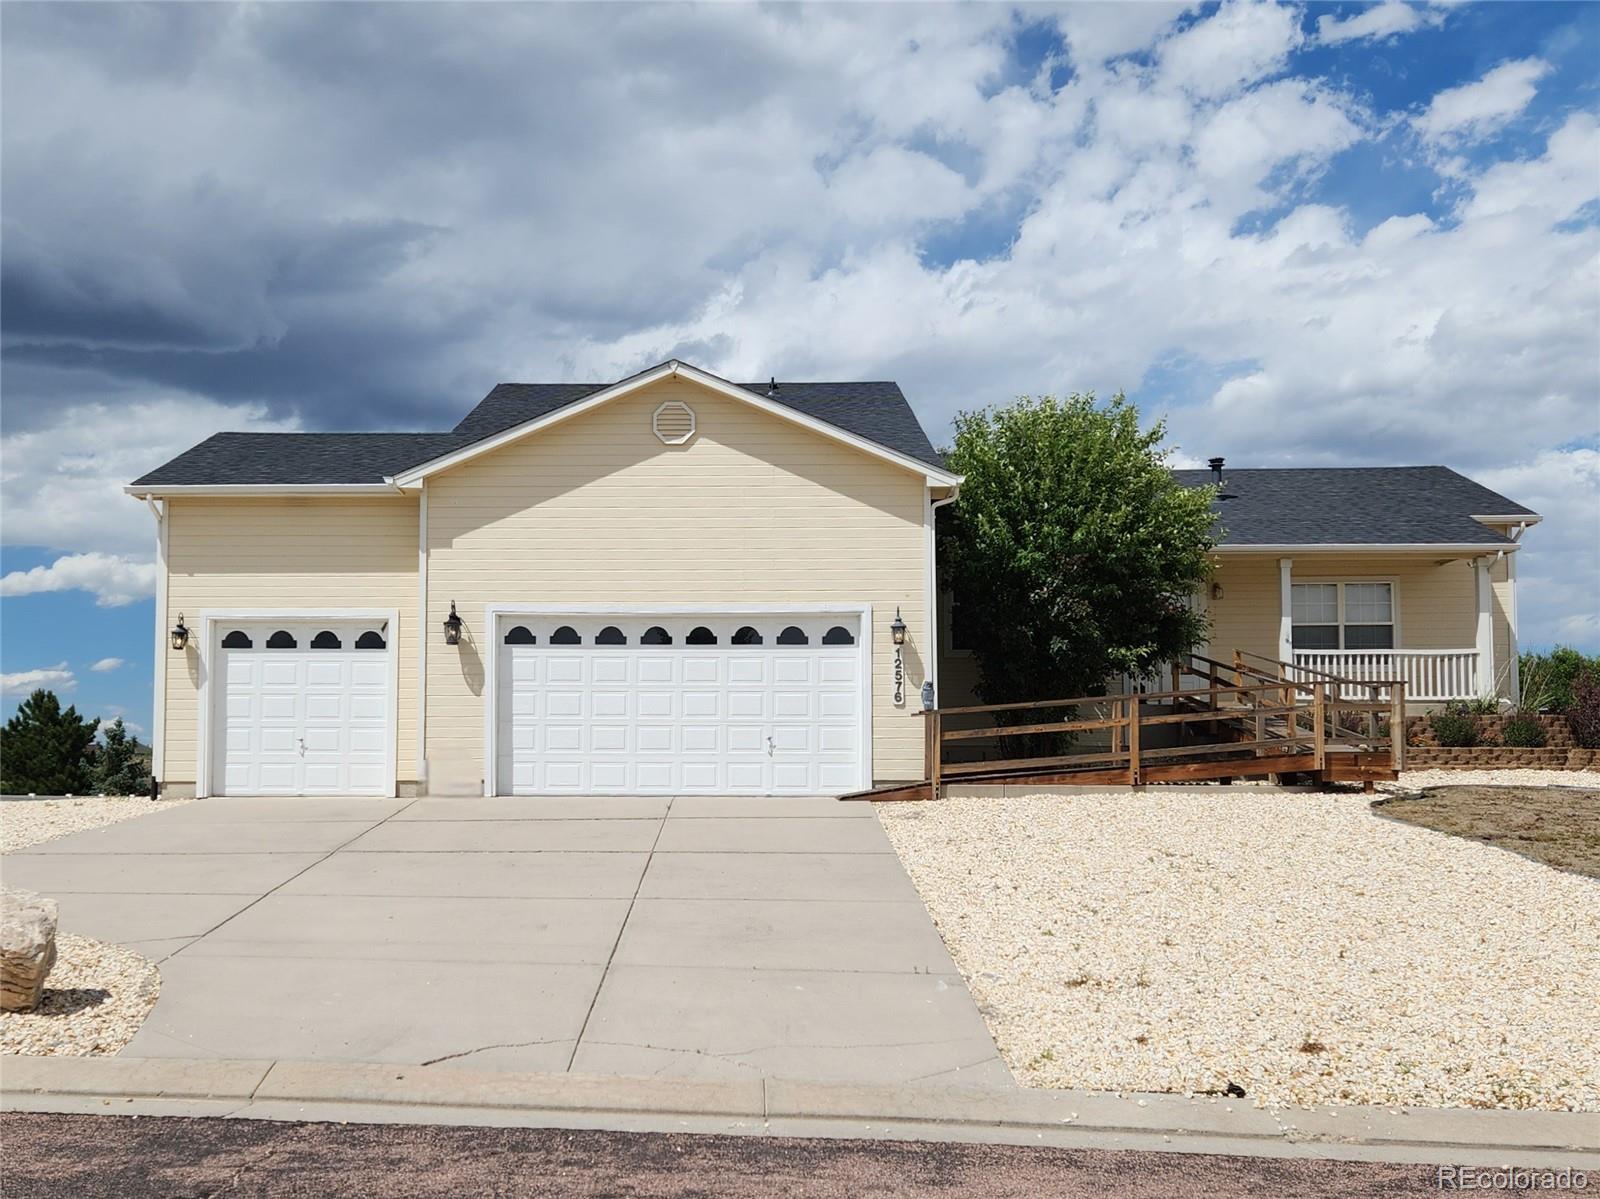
pixel 1285 611
pixel 1485 588
pixel 1514 666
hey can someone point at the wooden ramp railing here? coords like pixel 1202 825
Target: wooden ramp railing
pixel 1254 716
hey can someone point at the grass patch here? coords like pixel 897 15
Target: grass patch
pixel 1557 826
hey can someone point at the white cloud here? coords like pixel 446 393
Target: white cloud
pixel 776 219
pixel 114 581
pixel 1244 42
pixel 1559 568
pixel 64 473
pixel 1378 22
pixel 1475 110
pixel 50 678
pixel 105 664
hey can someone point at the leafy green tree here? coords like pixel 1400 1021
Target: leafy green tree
pixel 120 765
pixel 1073 554
pixel 46 751
pixel 1548 678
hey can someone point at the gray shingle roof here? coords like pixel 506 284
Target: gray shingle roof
pixel 1358 505
pixel 243 459
pixel 877 412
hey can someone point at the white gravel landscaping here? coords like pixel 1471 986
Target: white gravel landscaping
pixel 25 822
pixel 1416 780
pixel 1293 944
pixel 94 1000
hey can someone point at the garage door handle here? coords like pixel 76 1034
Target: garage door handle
pixel 301 742
pixel 771 746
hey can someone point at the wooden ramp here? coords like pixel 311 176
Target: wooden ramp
pixel 1252 718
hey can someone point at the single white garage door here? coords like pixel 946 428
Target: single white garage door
pixel 735 705
pixel 303 709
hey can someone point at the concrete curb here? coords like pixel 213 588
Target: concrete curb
pixel 376 1093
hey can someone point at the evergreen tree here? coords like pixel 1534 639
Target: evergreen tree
pixel 120 764
pixel 46 751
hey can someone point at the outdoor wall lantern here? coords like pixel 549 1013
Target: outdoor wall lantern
pixel 180 634
pixel 1216 591
pixel 897 628
pixel 452 626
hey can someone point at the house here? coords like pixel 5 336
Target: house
pixel 677 584
pixel 1369 573
pixel 667 584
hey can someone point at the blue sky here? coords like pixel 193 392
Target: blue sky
pixel 1303 234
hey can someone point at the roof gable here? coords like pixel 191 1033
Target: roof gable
pixel 871 417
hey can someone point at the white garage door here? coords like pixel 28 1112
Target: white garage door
pixel 303 709
pixel 736 705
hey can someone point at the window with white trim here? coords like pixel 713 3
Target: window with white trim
pixel 1329 616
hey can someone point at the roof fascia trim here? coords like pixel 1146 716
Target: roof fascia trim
pixel 667 370
pixel 1371 547
pixel 160 489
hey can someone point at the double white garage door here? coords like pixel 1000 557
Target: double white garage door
pixel 736 705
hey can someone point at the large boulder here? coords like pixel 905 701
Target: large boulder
pixel 27 948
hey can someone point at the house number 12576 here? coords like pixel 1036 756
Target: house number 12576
pixel 899 680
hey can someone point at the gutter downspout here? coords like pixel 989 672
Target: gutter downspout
pixel 422 641
pixel 158 710
pixel 932 672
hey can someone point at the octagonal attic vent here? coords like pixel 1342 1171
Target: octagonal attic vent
pixel 673 422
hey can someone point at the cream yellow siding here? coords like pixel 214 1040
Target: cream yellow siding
pixel 300 553
pixel 596 510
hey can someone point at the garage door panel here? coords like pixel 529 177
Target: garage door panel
pixel 838 669
pixel 560 738
pixel 657 705
pixel 747 738
pixel 836 704
pixel 277 706
pixel 564 703
pixel 747 705
pixel 703 778
pixel 716 717
pixel 793 668
pixel 836 777
pixel 321 672
pixel 565 669
pixel 656 776
pixel 608 738
pixel 701 670
pixel 324 706
pixel 658 669
pixel 656 738
pixel 746 776
pixel 836 738
pixel 281 671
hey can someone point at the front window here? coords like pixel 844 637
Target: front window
pixel 1330 616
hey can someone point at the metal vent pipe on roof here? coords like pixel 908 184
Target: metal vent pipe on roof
pixel 1216 470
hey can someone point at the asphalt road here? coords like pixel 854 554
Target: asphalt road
pixel 171 1158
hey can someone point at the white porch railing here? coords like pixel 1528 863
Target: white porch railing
pixel 1430 675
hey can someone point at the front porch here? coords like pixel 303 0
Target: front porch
pixel 1445 625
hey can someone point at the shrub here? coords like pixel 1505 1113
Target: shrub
pixel 1454 730
pixel 1547 678
pixel 1524 732
pixel 1584 714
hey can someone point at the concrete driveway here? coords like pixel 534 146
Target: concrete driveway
pixel 692 936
